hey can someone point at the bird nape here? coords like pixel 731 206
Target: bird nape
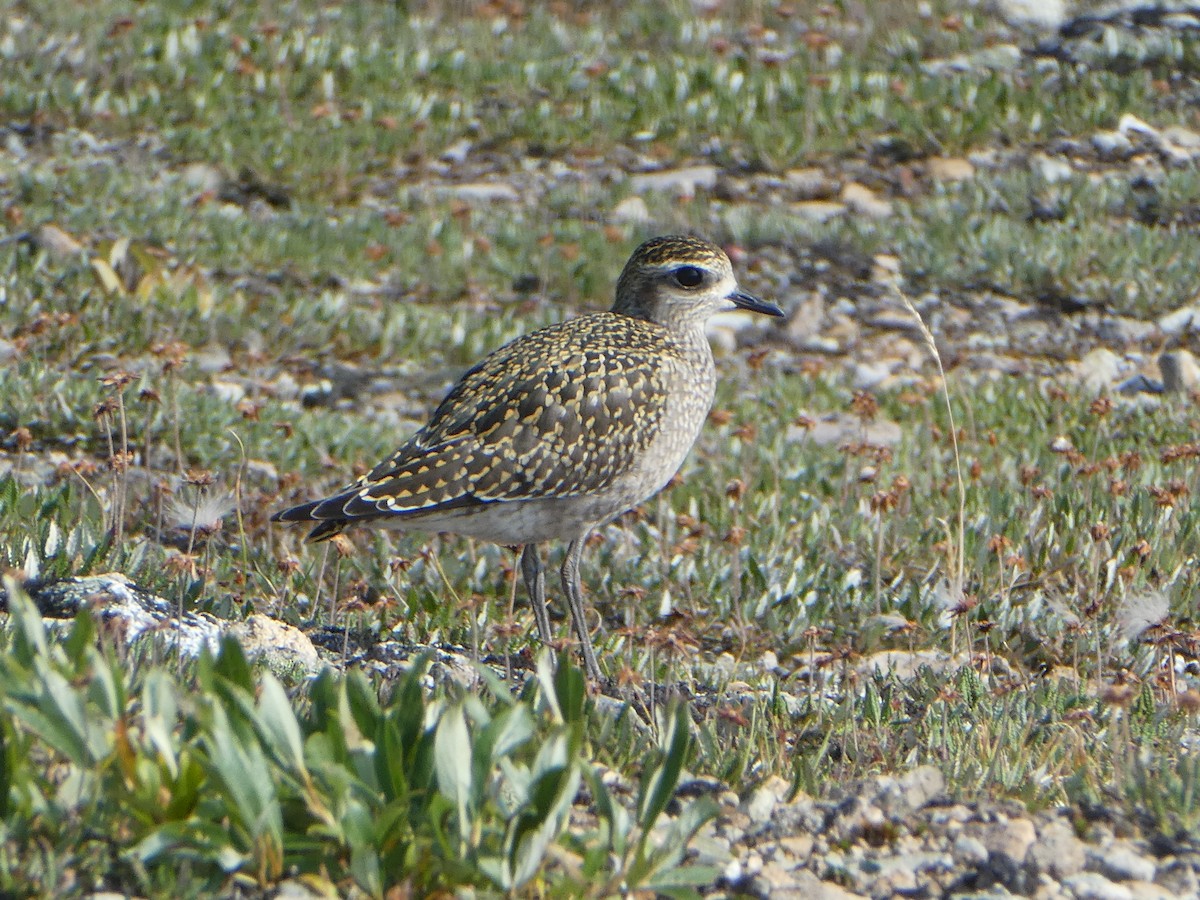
pixel 563 429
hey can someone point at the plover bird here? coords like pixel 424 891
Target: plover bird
pixel 561 430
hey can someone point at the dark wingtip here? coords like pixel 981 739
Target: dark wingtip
pixel 301 513
pixel 325 530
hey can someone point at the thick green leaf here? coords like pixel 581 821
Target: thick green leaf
pixel 659 781
pixel 231 665
pixel 552 796
pixel 613 816
pixel 570 689
pixel 29 632
pixel 244 776
pixel 160 712
pixel 452 755
pixel 7 768
pixel 279 724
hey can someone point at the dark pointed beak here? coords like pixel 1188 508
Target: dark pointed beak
pixel 742 300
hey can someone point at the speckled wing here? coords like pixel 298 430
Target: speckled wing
pixel 557 413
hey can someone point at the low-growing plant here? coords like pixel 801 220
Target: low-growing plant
pixel 123 773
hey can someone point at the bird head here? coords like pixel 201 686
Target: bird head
pixel 682 280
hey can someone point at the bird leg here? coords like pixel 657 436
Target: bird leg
pixel 535 584
pixel 574 592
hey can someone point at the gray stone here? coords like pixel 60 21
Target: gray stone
pixel 1051 169
pixel 286 649
pixel 1008 842
pixel 857 816
pixel 632 210
pixel 1179 877
pixel 810 183
pixel 1058 851
pixel 1099 369
pixel 1112 144
pixel 1184 139
pixel 818 210
pixel 1180 371
pixel 862 200
pixel 457 152
pixel 796 847
pixel 947 168
pixel 202 177
pixel 906 664
pixel 483 192
pixel 1045 15
pixel 1094 886
pixel 680 182
pixel 839 428
pixel 1121 862
pixel 804 885
pixel 764 798
pixel 970 851
pixel 1180 321
pixel 869 375
pixel 917 789
pixel 1145 890
pixel 56 242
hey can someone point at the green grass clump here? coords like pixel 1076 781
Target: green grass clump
pixel 133 777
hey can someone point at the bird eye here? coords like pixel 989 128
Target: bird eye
pixel 688 276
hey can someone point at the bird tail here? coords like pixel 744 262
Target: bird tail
pixel 305 512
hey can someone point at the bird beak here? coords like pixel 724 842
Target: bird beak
pixel 742 300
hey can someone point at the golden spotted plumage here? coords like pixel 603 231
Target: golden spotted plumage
pixel 563 428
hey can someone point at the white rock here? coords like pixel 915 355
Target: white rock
pixel 948 168
pixel 1131 125
pixel 1111 143
pixel 483 192
pixel 863 200
pixel 906 664
pixel 1182 138
pixel 1145 890
pixel 1180 371
pixel 763 799
pixel 632 210
pixel 870 375
pixel 1094 886
pixel 1051 169
pixel 810 183
pixel 1184 319
pixel 818 210
pixel 1001 57
pixel 970 850
pixel 680 182
pixel 202 177
pixel 1121 862
pixel 1099 369
pixel 839 428
pixel 457 152
pixel 1009 839
pixel 283 647
pixel 56 242
pixel 1058 852
pixel 1061 444
pixel 212 359
pixel 1043 14
pixel 229 391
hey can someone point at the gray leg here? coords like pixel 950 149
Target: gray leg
pixel 574 592
pixel 535 584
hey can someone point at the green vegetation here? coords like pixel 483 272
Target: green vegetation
pixel 240 265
